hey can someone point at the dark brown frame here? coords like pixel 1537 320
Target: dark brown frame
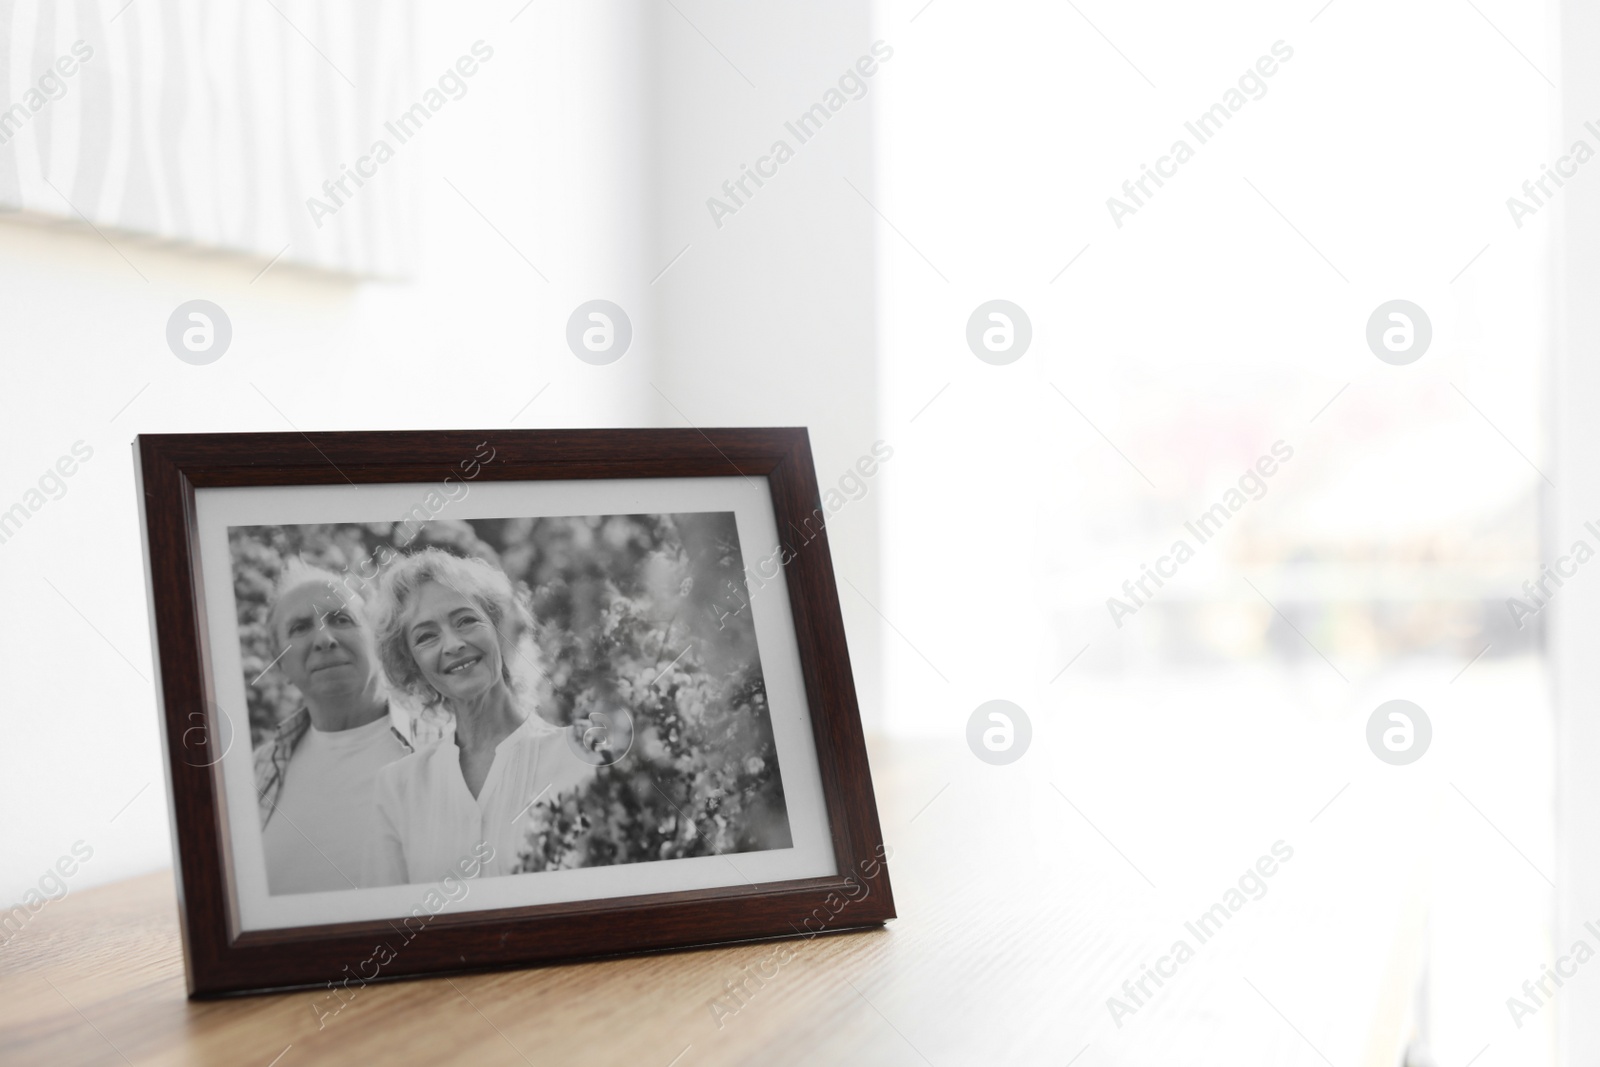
pixel 220 960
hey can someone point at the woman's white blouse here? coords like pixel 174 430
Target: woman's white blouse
pixel 429 824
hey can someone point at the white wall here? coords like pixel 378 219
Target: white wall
pixel 581 143
pixel 768 319
pixel 1577 625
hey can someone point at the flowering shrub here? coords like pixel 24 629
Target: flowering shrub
pixel 671 643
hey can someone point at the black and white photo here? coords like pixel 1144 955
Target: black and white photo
pixel 531 694
pixel 545 691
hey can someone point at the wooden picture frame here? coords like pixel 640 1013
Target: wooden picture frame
pixel 223 958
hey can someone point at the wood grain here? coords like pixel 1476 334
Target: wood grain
pixel 1016 924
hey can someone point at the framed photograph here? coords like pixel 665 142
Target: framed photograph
pixel 444 701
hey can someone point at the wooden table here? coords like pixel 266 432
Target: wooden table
pixel 1019 918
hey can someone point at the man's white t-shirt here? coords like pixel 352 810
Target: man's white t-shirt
pixel 326 812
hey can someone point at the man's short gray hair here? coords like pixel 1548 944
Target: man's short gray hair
pixel 297 574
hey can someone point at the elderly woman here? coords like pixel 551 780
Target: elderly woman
pixel 448 632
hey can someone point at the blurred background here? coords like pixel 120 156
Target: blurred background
pixel 603 151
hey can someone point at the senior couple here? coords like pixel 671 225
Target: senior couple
pixel 345 801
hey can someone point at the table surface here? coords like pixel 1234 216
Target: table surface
pixel 1019 918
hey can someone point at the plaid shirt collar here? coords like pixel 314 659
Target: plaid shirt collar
pixel 272 759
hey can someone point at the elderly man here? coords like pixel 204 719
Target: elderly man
pixel 314 777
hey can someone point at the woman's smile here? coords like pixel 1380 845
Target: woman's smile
pixel 453 642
